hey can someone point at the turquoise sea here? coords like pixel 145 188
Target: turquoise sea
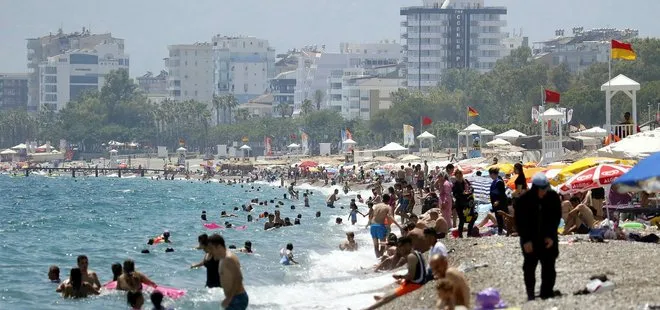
pixel 50 221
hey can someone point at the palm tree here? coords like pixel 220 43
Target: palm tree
pixel 218 104
pixel 318 98
pixel 306 107
pixel 231 102
pixel 283 108
pixel 242 114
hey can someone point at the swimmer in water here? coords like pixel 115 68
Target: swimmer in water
pixel 87 275
pixel 132 280
pixel 338 221
pixel 247 248
pixel 318 213
pixel 286 255
pixel 54 274
pixel 330 202
pixel 349 245
pixel 204 216
pixel 166 237
pixel 209 262
pixel 249 218
pixel 296 221
pixel 354 212
pixel 292 192
pixel 359 198
pixel 75 287
pixel 306 200
pixel 224 214
pixel 346 188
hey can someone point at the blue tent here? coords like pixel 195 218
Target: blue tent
pixel 645 176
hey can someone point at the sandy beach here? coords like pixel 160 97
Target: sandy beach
pixel 632 266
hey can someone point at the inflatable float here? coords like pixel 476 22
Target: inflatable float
pixel 170 292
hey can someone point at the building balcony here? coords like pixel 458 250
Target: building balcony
pixel 404 36
pixel 404 23
pixel 492 23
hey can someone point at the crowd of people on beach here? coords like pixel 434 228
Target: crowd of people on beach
pixel 444 200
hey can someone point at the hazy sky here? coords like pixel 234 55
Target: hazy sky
pixel 148 26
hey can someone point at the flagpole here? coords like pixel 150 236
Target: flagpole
pixel 542 122
pixel 607 93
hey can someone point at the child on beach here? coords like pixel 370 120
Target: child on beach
pixel 354 212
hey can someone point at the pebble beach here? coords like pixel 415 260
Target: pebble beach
pixel 632 266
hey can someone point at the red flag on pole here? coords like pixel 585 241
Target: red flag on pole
pixel 551 96
pixel 426 121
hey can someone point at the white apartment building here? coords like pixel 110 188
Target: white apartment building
pixel 190 68
pixel 315 65
pixel 445 34
pixel 357 95
pixel 65 77
pixel 243 66
pixel 53 44
pixel 513 42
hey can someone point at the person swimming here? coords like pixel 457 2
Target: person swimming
pixel 203 215
pixel 157 300
pixel 75 287
pixel 247 248
pixel 132 280
pixel 286 255
pixel 349 245
pixel 338 221
pixel 330 202
pixel 54 274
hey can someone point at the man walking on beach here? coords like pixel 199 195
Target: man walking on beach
pixel 231 277
pixel 537 216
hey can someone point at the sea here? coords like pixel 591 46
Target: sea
pixel 48 221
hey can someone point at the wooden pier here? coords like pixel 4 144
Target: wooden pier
pixel 97 171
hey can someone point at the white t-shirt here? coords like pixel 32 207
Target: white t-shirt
pixel 440 249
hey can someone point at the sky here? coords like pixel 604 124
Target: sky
pixel 149 26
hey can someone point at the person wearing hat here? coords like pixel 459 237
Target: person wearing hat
pixel 537 216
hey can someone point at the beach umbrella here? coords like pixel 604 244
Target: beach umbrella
pixel 308 164
pixel 245 147
pixel 587 163
pixel 293 146
pixel 498 142
pixel 645 176
pixel 504 168
pixel 21 146
pixel 8 152
pixel 599 176
pixel 349 142
pixel 410 157
pixel 393 147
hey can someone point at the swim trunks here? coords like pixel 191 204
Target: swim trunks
pixel 406 288
pixel 238 302
pixel 378 231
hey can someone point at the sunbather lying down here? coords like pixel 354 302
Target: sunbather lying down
pixel 509 222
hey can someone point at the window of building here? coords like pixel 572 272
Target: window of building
pixel 83 79
pixel 83 59
pixel 51 88
pixel 50 79
pixel 50 70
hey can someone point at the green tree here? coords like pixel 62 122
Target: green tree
pixel 218 104
pixel 306 107
pixel 242 114
pixel 318 98
pixel 231 102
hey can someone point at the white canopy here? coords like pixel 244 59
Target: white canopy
pixel 293 146
pixel 510 134
pixel 349 142
pixel 21 146
pixel 487 133
pixel 588 140
pixel 393 147
pixel 44 146
pixel 8 152
pixel 245 147
pixel 132 144
pixel 620 83
pixel 594 132
pixel 181 149
pixel 498 142
pixel 552 114
pixel 410 157
pixel 113 151
pixel 639 145
pixel 55 151
pixel 425 135
pixel 473 128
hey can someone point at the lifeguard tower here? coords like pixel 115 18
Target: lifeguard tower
pixel 551 140
pixel 620 83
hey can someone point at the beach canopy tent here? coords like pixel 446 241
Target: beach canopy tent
pixel 487 133
pixel 245 147
pixel 293 146
pixel 114 151
pixel 425 136
pixel 639 145
pixel 308 164
pixel 21 146
pixel 510 134
pixel 645 176
pixel 593 132
pixel 181 149
pixel 552 114
pixel 588 141
pixel 473 128
pixel 349 142
pixel 115 143
pixel 8 152
pixel 44 146
pixel 133 144
pixel 498 142
pixel 393 147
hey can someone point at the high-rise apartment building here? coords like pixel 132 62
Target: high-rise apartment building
pixel 64 77
pixel 445 34
pixel 13 91
pixel 190 68
pixel 243 66
pixel 39 49
pixel 153 84
pixel 355 94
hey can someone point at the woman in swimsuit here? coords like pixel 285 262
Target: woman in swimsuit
pixel 132 280
pixel 76 288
